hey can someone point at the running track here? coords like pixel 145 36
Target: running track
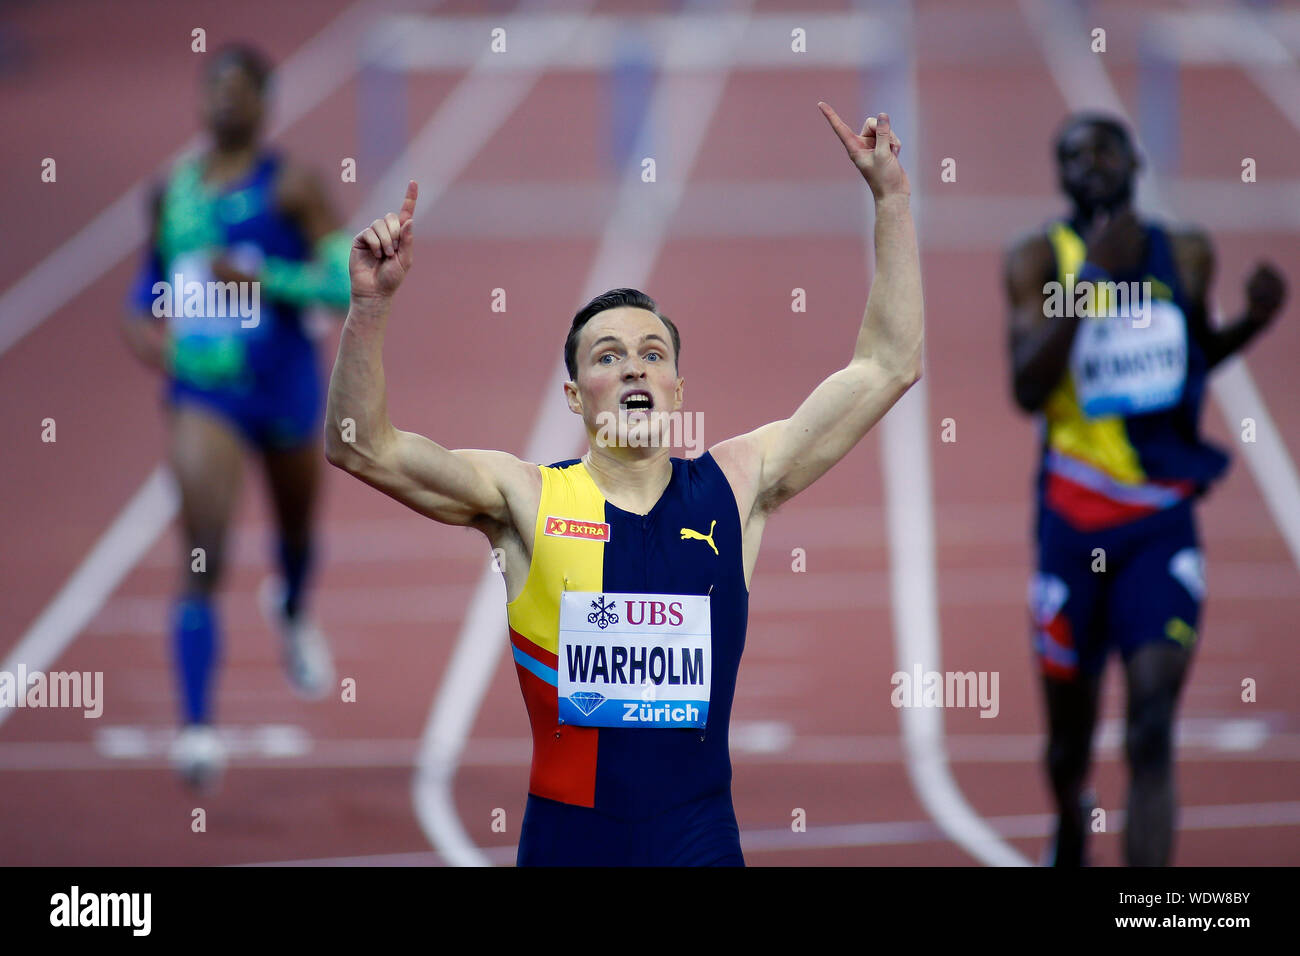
pixel 813 725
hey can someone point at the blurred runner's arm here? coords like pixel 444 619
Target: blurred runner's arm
pixel 1265 293
pixel 455 487
pixel 775 462
pixel 145 333
pixel 320 280
pixel 1040 347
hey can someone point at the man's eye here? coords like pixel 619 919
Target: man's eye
pixel 607 355
pixel 653 355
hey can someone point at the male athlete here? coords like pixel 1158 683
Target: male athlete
pixel 627 571
pixel 241 241
pixel 1119 392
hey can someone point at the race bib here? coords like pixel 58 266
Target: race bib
pixel 209 340
pixel 1120 369
pixel 634 660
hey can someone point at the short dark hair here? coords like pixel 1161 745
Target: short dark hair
pixel 614 299
pixel 1111 124
pixel 247 57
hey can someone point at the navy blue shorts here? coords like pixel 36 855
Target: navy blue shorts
pixel 280 414
pixel 702 833
pixel 1114 589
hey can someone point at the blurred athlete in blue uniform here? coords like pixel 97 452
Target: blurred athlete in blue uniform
pixel 627 571
pixel 242 241
pixel 1120 396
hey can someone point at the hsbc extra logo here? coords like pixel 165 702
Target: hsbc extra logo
pixel 569 528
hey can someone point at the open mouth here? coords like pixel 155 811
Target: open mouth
pixel 637 400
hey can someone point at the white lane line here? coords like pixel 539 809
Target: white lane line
pixel 1083 83
pixel 905 461
pixel 1020 826
pixel 633 236
pixel 284 742
pixel 131 534
pixel 1229 816
pixel 1270 462
pixel 914 597
pixel 62 275
pixel 146 746
pixel 303 81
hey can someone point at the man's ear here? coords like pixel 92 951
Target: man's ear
pixel 572 397
pixel 678 393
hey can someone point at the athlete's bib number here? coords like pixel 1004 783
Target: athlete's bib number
pixel 634 660
pixel 1119 369
pixel 208 349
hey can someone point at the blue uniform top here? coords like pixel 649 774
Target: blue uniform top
pixel 1121 435
pixel 688 544
pixel 211 347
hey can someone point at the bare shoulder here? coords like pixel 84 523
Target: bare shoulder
pixel 1194 256
pixel 508 472
pixel 519 481
pixel 1029 241
pixel 741 462
pixel 1030 254
pixel 1029 265
pixel 519 484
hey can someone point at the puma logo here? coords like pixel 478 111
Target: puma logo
pixel 688 534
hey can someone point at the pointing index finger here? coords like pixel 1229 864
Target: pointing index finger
pixel 841 130
pixel 408 204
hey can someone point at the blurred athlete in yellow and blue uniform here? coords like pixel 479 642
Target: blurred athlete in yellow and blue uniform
pixel 242 241
pixel 1119 392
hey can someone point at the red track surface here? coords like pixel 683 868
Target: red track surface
pixel 394 587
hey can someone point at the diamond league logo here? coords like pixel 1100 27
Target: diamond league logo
pixel 587 701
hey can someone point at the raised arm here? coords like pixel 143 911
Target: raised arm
pixel 777 461
pixel 464 487
pixel 1265 293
